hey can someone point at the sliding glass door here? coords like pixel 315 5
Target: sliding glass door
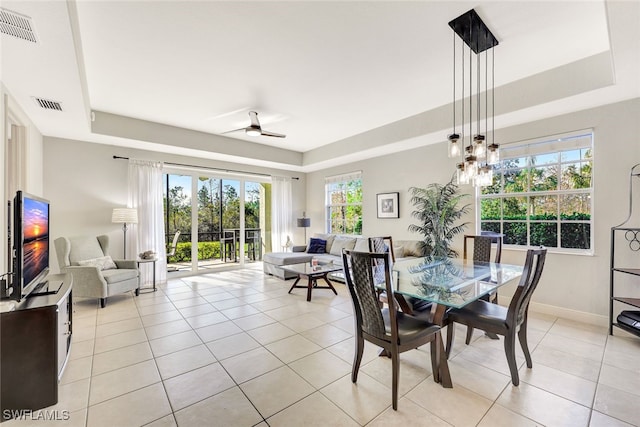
pixel 222 221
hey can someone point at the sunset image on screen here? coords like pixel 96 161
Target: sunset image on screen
pixel 35 229
pixel 35 219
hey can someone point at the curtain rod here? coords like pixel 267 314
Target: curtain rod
pixel 209 168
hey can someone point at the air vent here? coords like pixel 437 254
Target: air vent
pixel 16 25
pixel 48 104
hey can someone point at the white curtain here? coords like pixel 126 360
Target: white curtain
pixel 145 194
pixel 281 212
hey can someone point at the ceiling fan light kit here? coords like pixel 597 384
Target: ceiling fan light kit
pixel 252 132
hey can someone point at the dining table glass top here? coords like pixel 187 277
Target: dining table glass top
pixel 450 281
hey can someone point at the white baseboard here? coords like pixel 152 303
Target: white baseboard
pixel 565 313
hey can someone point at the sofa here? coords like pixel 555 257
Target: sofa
pixel 331 252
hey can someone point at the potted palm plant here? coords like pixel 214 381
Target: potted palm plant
pixel 437 210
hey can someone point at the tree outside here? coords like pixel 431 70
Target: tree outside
pixel 218 204
pixel 534 200
pixel 345 207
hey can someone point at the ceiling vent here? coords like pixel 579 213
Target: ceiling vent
pixel 48 104
pixel 16 25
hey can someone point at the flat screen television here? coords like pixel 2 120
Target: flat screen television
pixel 30 243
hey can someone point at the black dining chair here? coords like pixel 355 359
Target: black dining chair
pixel 482 252
pixel 409 305
pixel 388 328
pixel 501 320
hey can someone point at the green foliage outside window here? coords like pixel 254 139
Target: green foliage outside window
pixel 344 206
pixel 543 198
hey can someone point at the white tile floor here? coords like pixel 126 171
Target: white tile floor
pixel 234 349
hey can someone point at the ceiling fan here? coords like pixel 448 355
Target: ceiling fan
pixel 254 129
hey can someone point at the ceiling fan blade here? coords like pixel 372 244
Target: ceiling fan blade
pixel 277 135
pixel 254 119
pixel 235 130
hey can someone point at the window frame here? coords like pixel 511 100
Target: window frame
pixel 344 179
pixel 557 144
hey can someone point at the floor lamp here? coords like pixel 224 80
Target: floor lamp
pixel 124 216
pixel 305 223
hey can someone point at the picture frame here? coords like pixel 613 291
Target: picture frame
pixel 388 206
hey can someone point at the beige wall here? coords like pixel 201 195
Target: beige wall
pixel 572 285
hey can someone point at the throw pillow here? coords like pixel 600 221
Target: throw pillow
pixel 316 246
pixel 103 263
pixel 398 252
pixel 340 243
pixel 328 237
pixel 413 248
pixel 362 245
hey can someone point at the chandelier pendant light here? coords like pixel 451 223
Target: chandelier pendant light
pixel 476 157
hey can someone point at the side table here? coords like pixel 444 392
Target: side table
pixel 146 261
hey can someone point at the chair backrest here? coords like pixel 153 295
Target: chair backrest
pixel 482 247
pixel 174 244
pixel 70 250
pixel 519 305
pixel 359 273
pixel 382 244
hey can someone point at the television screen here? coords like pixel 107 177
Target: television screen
pixel 31 242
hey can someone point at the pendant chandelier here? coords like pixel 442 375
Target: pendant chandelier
pixel 478 155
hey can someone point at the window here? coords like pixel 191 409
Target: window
pixel 542 194
pixel 344 203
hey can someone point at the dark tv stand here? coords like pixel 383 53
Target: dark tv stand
pixel 34 348
pixel 48 287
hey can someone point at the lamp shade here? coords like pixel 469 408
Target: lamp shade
pixel 304 222
pixel 124 216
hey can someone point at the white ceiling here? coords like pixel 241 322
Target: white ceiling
pixel 343 80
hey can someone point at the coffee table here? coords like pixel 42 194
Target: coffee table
pixel 312 273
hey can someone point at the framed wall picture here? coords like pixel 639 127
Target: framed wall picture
pixel 388 205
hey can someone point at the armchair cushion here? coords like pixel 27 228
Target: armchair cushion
pixel 82 249
pixel 126 263
pixel 103 263
pixel 119 275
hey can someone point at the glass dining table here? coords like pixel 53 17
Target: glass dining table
pixel 449 282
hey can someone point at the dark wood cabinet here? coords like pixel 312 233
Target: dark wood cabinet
pixel 35 339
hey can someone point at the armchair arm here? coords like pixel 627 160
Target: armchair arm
pixel 87 281
pixel 126 263
pixel 299 248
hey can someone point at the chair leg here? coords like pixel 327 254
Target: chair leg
pixel 357 357
pixel 522 337
pixel 435 357
pixel 450 336
pixel 510 352
pixel 494 297
pixel 395 367
pixel 103 302
pixel 467 340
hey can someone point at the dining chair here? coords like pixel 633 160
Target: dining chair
pixel 482 247
pixel 253 241
pixel 171 251
pixel 228 246
pixel 502 320
pixel 388 328
pixel 409 305
pixel 482 252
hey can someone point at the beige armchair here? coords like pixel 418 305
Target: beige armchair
pixel 95 275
